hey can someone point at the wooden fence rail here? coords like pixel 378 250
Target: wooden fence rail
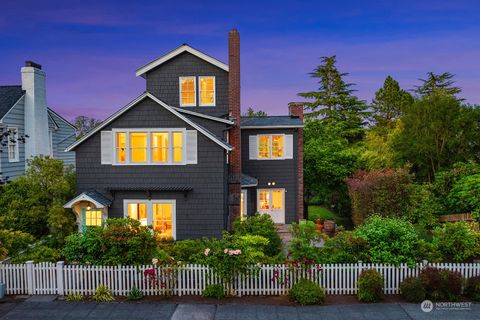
pixel 51 278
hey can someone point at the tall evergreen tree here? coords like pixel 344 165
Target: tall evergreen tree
pixel 437 83
pixel 334 102
pixel 389 103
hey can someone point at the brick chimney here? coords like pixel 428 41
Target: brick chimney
pixel 295 109
pixel 235 158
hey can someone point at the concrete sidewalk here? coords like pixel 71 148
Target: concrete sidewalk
pixel 165 311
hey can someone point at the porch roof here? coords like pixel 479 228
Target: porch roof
pixel 146 187
pixel 248 181
pixel 98 199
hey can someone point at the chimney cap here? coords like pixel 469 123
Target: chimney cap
pixel 30 63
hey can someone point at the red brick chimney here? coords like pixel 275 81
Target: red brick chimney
pixel 295 109
pixel 235 158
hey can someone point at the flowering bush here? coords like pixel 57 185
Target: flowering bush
pixel 163 274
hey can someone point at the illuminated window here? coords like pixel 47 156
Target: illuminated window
pixel 264 200
pixel 270 200
pixel 277 199
pixel 207 91
pixel 177 146
pixel 121 147
pixel 163 220
pixel 160 146
pixel 93 218
pixel 188 93
pixel 13 145
pixel 138 211
pixel 270 146
pixel 138 146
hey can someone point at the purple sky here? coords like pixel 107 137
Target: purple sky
pixel 91 49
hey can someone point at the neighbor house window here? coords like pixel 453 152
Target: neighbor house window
pixel 160 214
pixel 188 94
pixel 207 91
pixel 13 145
pixel 270 147
pixel 152 146
pixel 93 218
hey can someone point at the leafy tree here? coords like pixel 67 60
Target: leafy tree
pixel 438 132
pixel 85 124
pixel 435 83
pixel 31 203
pixel 389 103
pixel 252 113
pixel 457 242
pixel 334 102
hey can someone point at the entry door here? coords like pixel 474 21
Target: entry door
pixel 272 202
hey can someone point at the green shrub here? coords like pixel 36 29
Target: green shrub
pixel 412 290
pixel 465 195
pixel 216 291
pixel 472 288
pixel 307 292
pixel 441 285
pixel 391 240
pixel 103 294
pixel 370 286
pixel 424 207
pixel 301 246
pixel 135 294
pixel 39 253
pixel 456 241
pixel 345 247
pixel 14 242
pixel 188 251
pixel 74 297
pixel 121 241
pixel 260 225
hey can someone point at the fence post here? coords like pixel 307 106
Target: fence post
pixel 30 277
pixel 60 282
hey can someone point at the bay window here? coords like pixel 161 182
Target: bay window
pixel 160 214
pixel 270 146
pixel 188 93
pixel 207 91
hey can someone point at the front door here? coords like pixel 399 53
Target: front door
pixel 272 202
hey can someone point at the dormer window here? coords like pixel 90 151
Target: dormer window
pixel 207 91
pixel 188 92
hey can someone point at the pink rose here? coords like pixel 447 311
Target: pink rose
pixel 225 251
pixel 154 260
pixel 206 252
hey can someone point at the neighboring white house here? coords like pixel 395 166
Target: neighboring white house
pixel 28 127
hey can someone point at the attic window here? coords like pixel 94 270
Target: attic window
pixel 188 92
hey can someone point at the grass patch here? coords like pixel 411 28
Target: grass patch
pixel 318 212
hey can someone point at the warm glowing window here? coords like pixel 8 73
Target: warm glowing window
pixel 160 146
pixel 207 91
pixel 270 147
pixel 93 218
pixel 177 146
pixel 138 146
pixel 270 200
pixel 187 91
pixel 264 200
pixel 121 147
pixel 138 211
pixel 163 220
pixel 277 199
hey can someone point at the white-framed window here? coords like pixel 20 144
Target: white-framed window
pixel 150 146
pixel 188 91
pixel 207 91
pixel 271 146
pixel 160 214
pixel 13 153
pixel 92 218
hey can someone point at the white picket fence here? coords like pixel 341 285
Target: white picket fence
pixel 50 278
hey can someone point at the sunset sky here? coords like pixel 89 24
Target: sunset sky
pixel 91 49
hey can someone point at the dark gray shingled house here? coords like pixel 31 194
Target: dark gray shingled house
pixel 29 128
pixel 181 158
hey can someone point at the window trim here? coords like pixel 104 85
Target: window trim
pixel 16 147
pixel 149 132
pixel 270 135
pixel 150 204
pixel 194 91
pixel 200 92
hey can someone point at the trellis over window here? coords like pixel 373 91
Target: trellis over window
pixel 271 146
pixel 162 146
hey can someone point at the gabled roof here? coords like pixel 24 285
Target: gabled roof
pixel 51 112
pixel 98 199
pixel 201 129
pixel 271 122
pixel 201 115
pixel 9 96
pixel 172 54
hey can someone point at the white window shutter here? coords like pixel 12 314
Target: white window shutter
pixel 192 157
pixel 288 146
pixel 106 142
pixel 253 147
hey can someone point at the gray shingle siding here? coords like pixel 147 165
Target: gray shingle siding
pixel 63 135
pixel 163 82
pixel 15 117
pixel 200 213
pixel 283 172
